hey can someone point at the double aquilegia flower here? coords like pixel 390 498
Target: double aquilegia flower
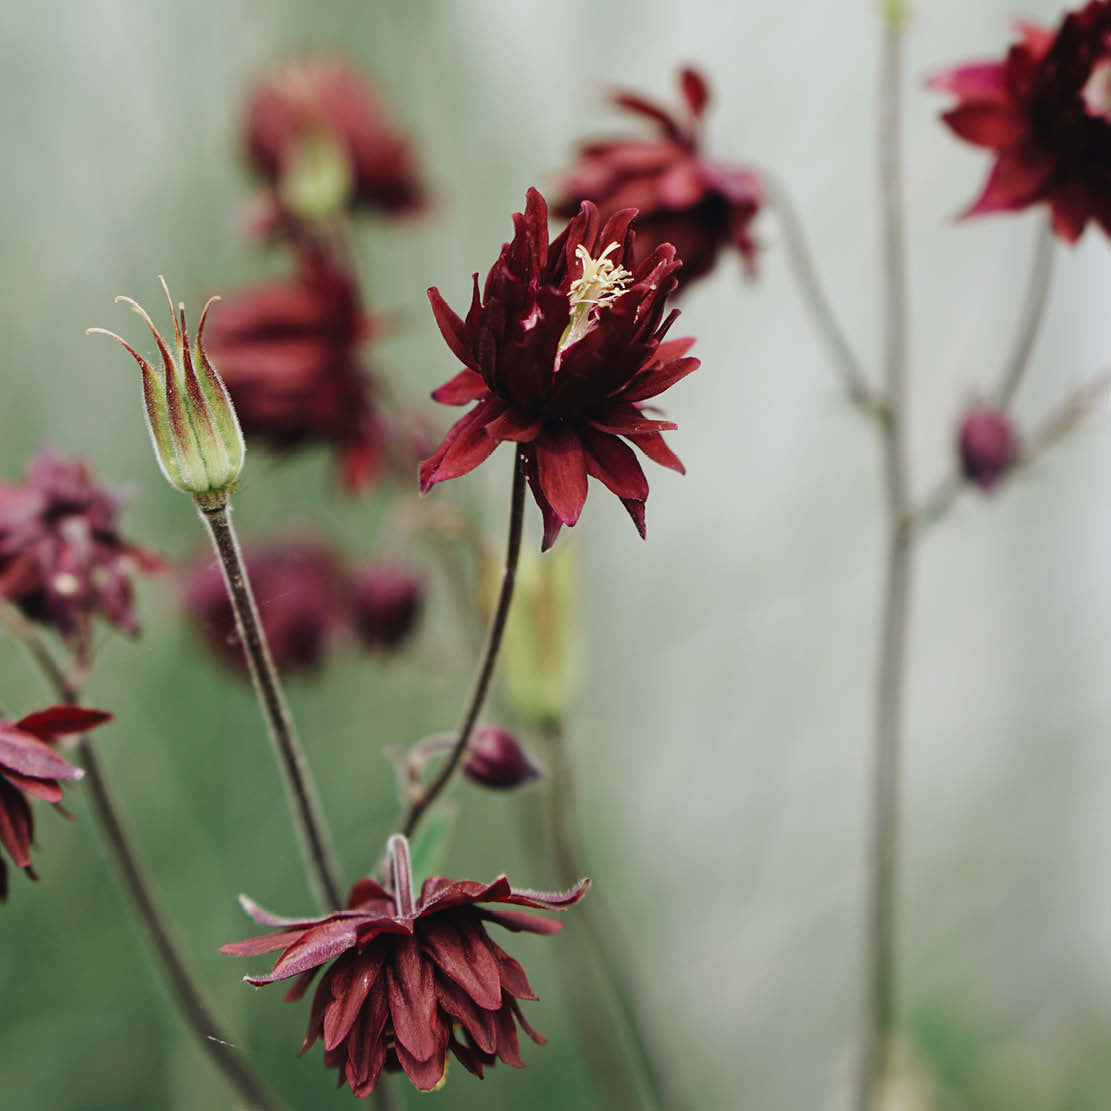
pixel 1045 110
pixel 560 352
pixel 683 199
pixel 30 768
pixel 411 977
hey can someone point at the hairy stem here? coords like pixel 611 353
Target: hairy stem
pixel 321 867
pixel 1030 315
pixel 418 806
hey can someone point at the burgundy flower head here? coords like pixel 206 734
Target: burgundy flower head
pixel 987 446
pixel 411 977
pixel 683 199
pixel 288 352
pixel 301 589
pixel 1045 110
pixel 29 767
pixel 561 351
pixel 385 603
pixel 321 99
pixel 61 558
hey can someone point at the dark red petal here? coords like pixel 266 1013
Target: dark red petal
pixel 1016 180
pixel 512 425
pixel 452 329
pixel 632 102
pixel 611 462
pixel 987 125
pixel 300 985
pixel 321 998
pixel 365 890
pixel 513 978
pixel 507 1037
pixel 267 918
pixel 517 1013
pixel 547 900
pixel 552 523
pixel 979 81
pixel 425 1074
pixel 478 1021
pixel 467 385
pixel 16 828
pixel 366 1044
pixel 625 419
pixel 518 921
pixel 459 949
pixel 657 378
pixel 45 789
pixel 1071 206
pixel 635 508
pixel 465 446
pixel 26 754
pixel 412 995
pixel 694 89
pixel 265 943
pixel 341 1014
pixel 315 946
pixel 61 721
pixel 652 444
pixel 561 470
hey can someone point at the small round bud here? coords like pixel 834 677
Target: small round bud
pixel 385 604
pixel 496 759
pixel 987 445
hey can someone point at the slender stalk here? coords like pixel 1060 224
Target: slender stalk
pixel 419 805
pixel 879 994
pixel 1030 315
pixel 215 1042
pixel 321 867
pixel 845 362
pixel 603 945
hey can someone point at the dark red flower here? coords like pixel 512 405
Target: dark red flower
pixel 561 351
pixel 29 767
pixel 987 445
pixel 683 199
pixel 288 352
pixel 325 100
pixel 61 558
pixel 410 978
pixel 1045 110
pixel 496 759
pixel 301 590
pixel 385 603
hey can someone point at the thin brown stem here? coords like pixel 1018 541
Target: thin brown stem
pixel 1030 316
pixel 845 362
pixel 418 806
pixel 321 867
pixel 880 916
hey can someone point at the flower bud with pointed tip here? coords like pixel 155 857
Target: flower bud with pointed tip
pixel 496 759
pixel 988 446
pixel 190 417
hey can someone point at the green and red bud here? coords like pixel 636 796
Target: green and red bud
pixel 192 423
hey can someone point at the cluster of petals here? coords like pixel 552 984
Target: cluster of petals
pixel 564 382
pixel 307 99
pixel 1045 111
pixel 698 205
pixel 62 559
pixel 409 979
pixel 288 352
pixel 306 595
pixel 30 768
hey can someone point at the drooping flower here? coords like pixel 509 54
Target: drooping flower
pixel 62 559
pixel 496 759
pixel 561 351
pixel 1045 110
pixel 301 588
pixel 684 199
pixel 320 138
pixel 987 446
pixel 30 768
pixel 385 603
pixel 289 353
pixel 411 977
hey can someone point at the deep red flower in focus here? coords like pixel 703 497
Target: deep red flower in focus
pixel 301 589
pixel 326 100
pixel 289 353
pixel 987 445
pixel 61 557
pixel 385 603
pixel 682 198
pixel 30 768
pixel 1045 110
pixel 411 977
pixel 560 352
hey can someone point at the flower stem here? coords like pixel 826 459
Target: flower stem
pixel 879 994
pixel 1030 316
pixel 215 1042
pixel 321 867
pixel 418 806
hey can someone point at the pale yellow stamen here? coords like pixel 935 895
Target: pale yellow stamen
pixel 602 282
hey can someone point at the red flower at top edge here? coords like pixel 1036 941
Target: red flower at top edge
pixel 561 350
pixel 411 977
pixel 1045 110
pixel 30 768
pixel 682 198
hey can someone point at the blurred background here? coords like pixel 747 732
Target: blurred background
pixel 723 724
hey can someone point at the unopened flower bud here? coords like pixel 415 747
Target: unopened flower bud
pixel 385 604
pixel 496 759
pixel 192 424
pixel 987 445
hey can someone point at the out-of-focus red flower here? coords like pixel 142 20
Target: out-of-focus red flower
pixel 304 103
pixel 987 446
pixel 561 351
pixel 301 589
pixel 1045 110
pixel 496 759
pixel 385 603
pixel 30 768
pixel 289 353
pixel 61 558
pixel 411 977
pixel 682 198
